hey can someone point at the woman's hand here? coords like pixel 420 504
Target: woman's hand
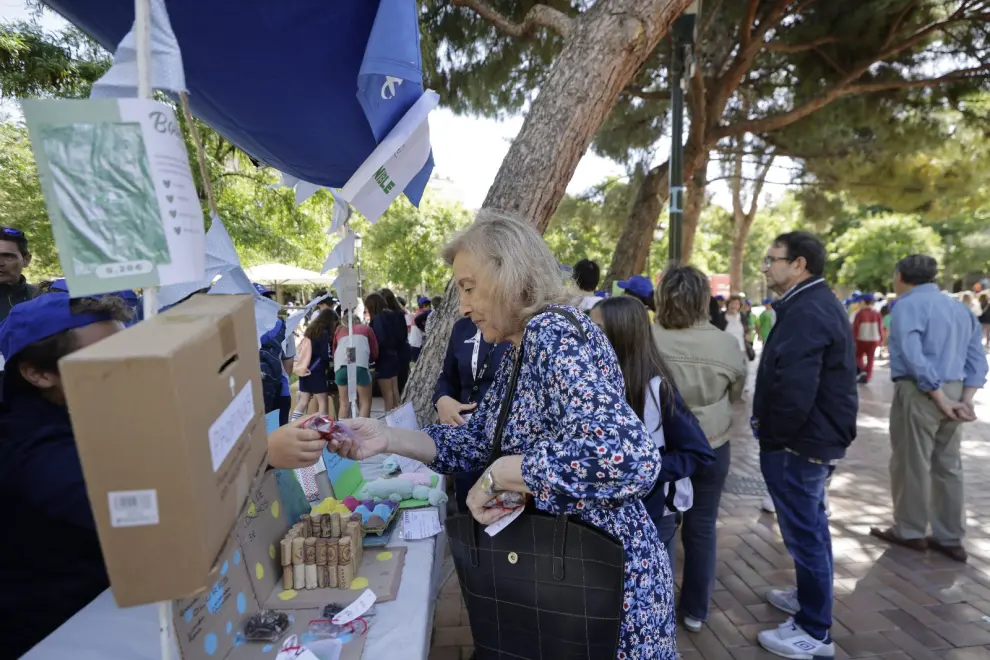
pixel 483 506
pixel 449 410
pixel 504 475
pixel 292 447
pixel 370 438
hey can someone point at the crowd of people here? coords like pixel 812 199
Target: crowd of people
pixel 611 410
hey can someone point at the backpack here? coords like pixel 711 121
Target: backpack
pixel 271 366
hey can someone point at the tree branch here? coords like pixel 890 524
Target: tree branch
pixel 803 46
pixel 844 88
pixel 538 16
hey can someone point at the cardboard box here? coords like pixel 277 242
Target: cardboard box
pixel 168 419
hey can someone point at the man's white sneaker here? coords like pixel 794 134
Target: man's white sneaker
pixel 692 624
pixel 791 641
pixel 767 504
pixel 785 600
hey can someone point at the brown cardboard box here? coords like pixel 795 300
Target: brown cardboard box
pixel 168 419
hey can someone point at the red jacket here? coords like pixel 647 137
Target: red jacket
pixel 868 326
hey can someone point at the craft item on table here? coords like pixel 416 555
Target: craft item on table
pixel 321 563
pixel 307 523
pixel 390 467
pixel 329 428
pixel 307 480
pixel 354 532
pixel 333 550
pixel 335 525
pixel 286 545
pixel 398 489
pixel 326 525
pixel 310 573
pixel 345 567
pixel 266 626
pixel 298 567
pixel 330 505
pixel 332 610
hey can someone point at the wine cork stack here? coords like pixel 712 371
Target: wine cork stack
pixel 321 550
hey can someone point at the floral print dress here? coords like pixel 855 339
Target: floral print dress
pixel 585 453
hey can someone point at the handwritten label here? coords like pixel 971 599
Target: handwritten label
pixel 356 609
pixel 403 417
pixel 420 524
pixel 230 425
pixel 502 523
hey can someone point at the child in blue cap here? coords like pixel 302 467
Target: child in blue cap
pixel 641 288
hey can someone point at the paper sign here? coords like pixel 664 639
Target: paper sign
pixel 347 289
pixel 403 417
pixel 502 523
pixel 123 205
pixel 420 524
pixel 230 425
pixel 356 609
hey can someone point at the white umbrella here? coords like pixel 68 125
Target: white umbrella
pixel 282 274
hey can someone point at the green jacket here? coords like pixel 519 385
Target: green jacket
pixel 765 322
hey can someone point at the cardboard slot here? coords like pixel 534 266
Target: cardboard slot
pixel 227 364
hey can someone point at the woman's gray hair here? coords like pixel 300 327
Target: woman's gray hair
pixel 520 270
pixel 683 297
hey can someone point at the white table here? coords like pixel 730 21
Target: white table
pixel 400 630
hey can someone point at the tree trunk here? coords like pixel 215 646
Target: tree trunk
pixel 740 232
pixel 605 48
pixel 633 247
pixel 695 200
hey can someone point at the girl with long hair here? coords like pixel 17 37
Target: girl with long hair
pixel 390 330
pixel 313 362
pixel 405 350
pixel 651 393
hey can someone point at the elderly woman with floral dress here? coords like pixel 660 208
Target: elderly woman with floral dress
pixel 571 441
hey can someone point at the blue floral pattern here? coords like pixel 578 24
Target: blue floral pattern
pixel 585 453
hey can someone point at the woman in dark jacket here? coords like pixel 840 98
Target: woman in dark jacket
pixel 405 350
pixel 390 330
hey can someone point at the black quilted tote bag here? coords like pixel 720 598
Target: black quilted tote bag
pixel 545 587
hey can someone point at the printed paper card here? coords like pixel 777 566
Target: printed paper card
pixel 119 192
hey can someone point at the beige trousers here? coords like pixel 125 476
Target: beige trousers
pixel 926 476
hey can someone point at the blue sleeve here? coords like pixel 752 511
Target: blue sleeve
pixel 907 329
pixel 976 359
pixel 52 479
pixel 600 453
pixel 466 448
pixel 688 447
pixel 792 385
pixel 449 381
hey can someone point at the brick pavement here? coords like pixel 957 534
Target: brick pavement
pixel 890 602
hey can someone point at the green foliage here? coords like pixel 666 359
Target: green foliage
pixel 63 64
pixel 402 250
pixel 21 203
pixel 868 252
pixel 588 226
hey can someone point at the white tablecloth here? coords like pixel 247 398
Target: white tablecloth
pixel 400 630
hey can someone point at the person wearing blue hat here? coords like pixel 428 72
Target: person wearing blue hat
pixel 40 471
pixel 639 287
pixel 277 347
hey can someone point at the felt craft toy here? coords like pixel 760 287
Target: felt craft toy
pixel 397 490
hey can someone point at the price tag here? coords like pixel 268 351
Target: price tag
pixel 356 609
pixel 421 524
pixel 502 523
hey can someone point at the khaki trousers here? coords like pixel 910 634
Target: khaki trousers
pixel 926 476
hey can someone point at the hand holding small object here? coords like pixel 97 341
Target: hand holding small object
pixel 359 438
pixel 293 446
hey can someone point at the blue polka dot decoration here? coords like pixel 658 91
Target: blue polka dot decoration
pixel 241 603
pixel 187 615
pixel 237 557
pixel 266 648
pixel 230 627
pixel 292 619
pixel 210 644
pixel 224 568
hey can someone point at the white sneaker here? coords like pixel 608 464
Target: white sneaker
pixel 785 600
pixel 767 504
pixel 692 624
pixel 791 641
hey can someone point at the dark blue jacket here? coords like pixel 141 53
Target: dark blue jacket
pixel 467 348
pixel 43 583
pixel 686 451
pixel 806 398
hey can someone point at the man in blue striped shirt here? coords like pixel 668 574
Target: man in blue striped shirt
pixel 937 364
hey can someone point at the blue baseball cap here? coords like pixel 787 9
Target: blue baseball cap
pixel 41 318
pixel 423 300
pixel 637 284
pixel 262 289
pixel 767 301
pixel 59 285
pixel 867 298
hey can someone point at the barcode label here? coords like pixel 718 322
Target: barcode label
pixel 133 508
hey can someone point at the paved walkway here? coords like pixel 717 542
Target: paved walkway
pixel 890 602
